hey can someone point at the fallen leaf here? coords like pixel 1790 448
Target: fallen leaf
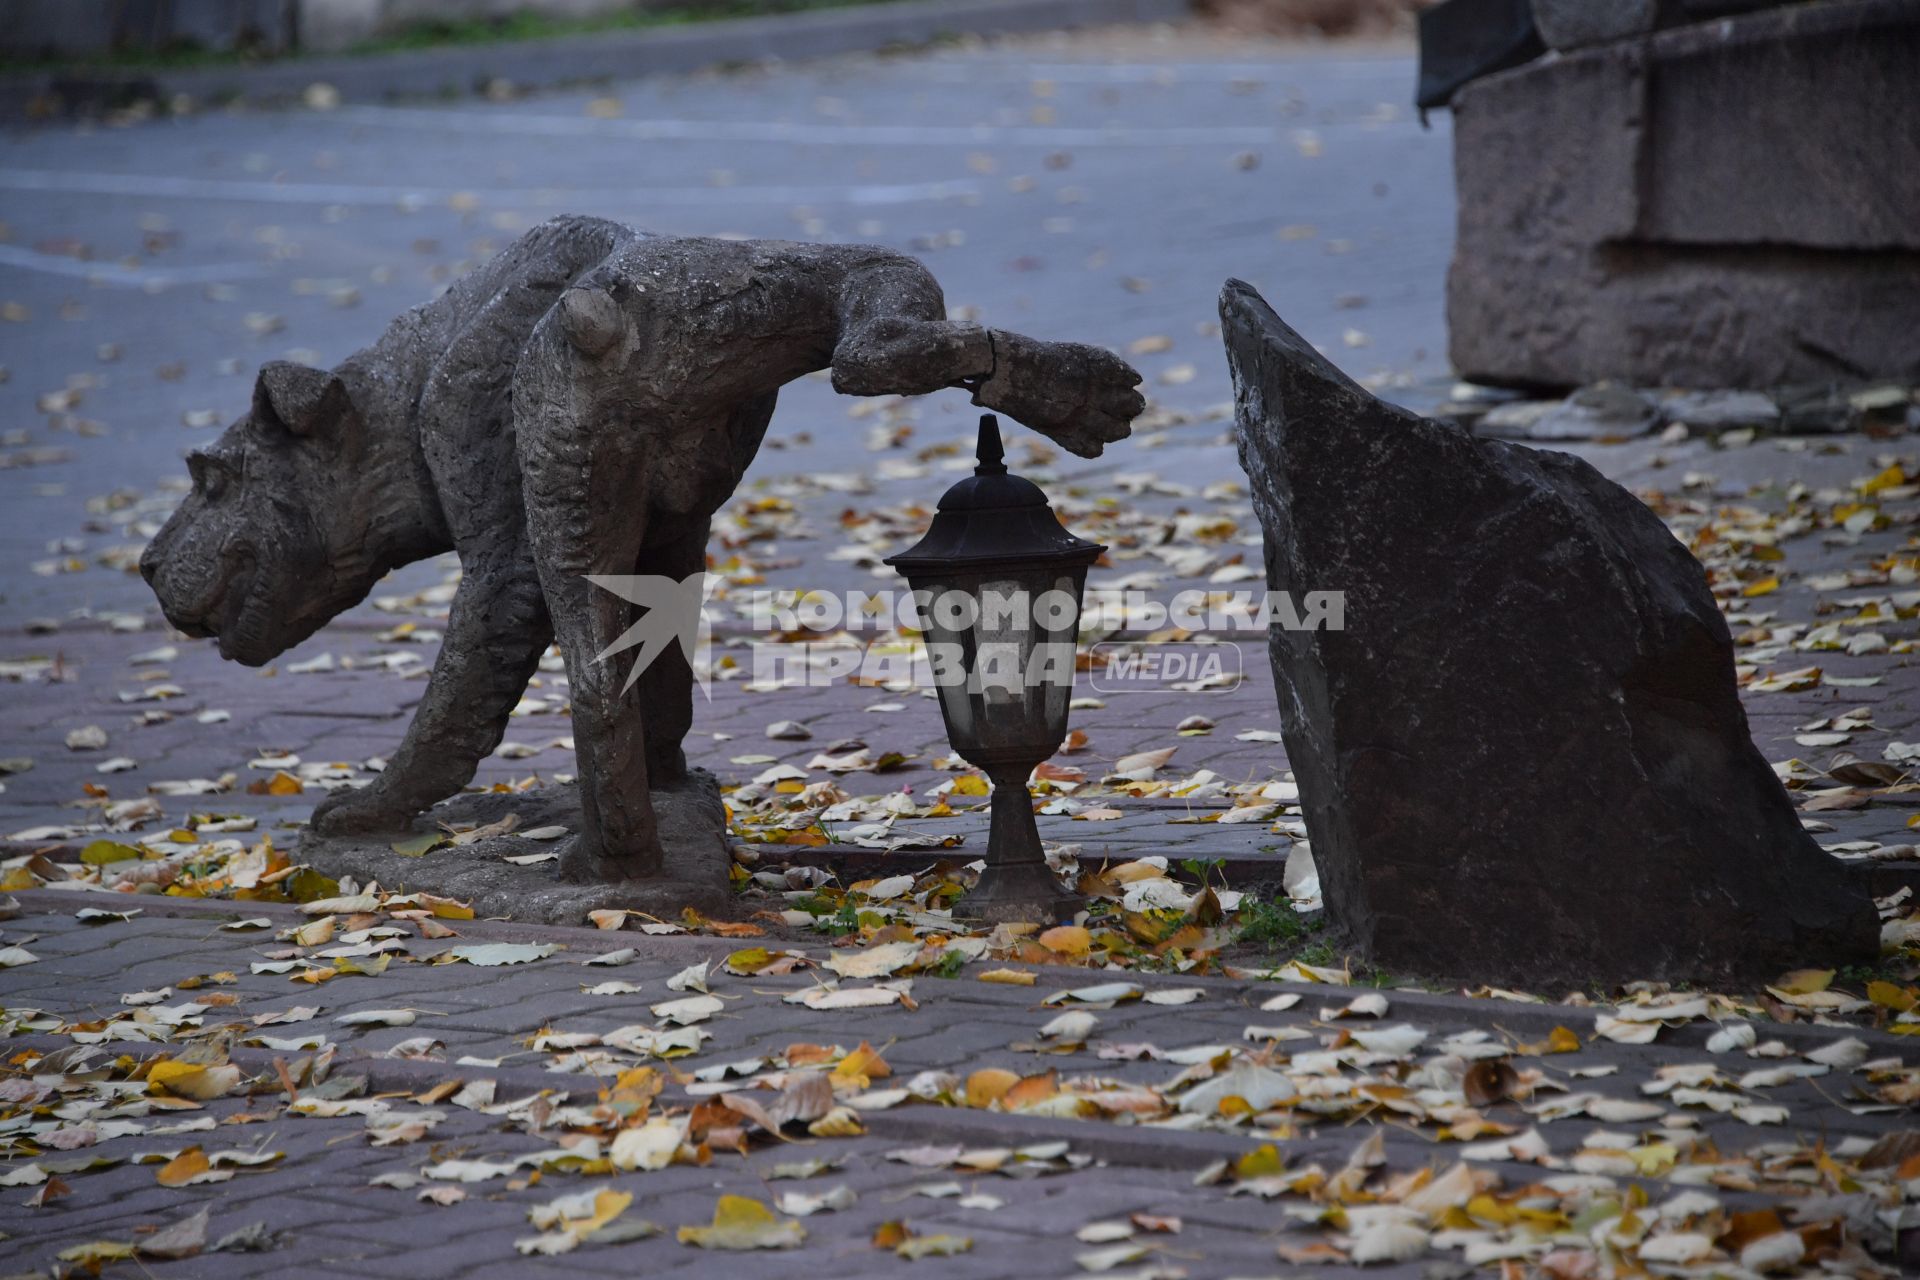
pixel 189 1167
pixel 743 1223
pixel 489 954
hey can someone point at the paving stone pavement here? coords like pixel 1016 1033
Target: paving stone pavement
pixel 329 1220
pixel 1098 187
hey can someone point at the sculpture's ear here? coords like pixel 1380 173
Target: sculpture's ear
pixel 591 319
pixel 305 402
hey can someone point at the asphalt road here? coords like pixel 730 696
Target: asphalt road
pixel 1095 187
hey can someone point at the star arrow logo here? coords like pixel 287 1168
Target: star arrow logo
pixel 671 611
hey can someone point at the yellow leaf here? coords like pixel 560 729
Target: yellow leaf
pixel 740 1222
pixel 1891 478
pixel 1263 1161
pixel 420 846
pixel 1655 1158
pixel 285 784
pixel 1010 977
pixel 184 1169
pixel 841 1122
pixel 102 852
pixel 190 1080
pixel 1890 996
pixel 969 784
pixel 862 1065
pixel 446 908
pixel 607 1206
pixel 1485 1209
pixel 1560 1040
pixel 988 1085
pixel 1804 982
pixel 94 1253
pixel 635 1089
pixel 315 933
pixel 1765 586
pixel 1068 940
pixel 749 961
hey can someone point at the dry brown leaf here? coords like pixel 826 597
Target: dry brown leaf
pixel 1490 1080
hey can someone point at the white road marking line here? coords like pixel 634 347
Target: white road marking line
pixel 192 188
pixel 118 273
pixel 1398 66
pixel 911 135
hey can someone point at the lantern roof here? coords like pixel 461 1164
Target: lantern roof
pixel 992 518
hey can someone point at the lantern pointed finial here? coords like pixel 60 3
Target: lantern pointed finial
pixel 990 455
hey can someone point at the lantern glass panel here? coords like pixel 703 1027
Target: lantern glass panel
pixel 1001 645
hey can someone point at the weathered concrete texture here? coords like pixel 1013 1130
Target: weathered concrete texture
pixel 693 831
pixel 1530 719
pixel 1574 24
pixel 1722 204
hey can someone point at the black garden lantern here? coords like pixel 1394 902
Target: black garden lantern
pixel 999 582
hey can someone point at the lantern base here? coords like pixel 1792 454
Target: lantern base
pixel 1022 894
pixel 1017 885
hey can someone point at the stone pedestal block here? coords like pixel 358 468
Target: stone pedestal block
pixel 1728 204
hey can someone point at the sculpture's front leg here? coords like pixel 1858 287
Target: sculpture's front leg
pixel 496 631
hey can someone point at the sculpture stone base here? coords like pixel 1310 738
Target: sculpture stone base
pixel 693 832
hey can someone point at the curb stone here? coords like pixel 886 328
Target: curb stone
pixel 460 69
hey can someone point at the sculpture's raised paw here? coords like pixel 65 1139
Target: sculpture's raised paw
pixel 357 813
pixel 1082 397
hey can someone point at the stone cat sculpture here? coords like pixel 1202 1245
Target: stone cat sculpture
pixel 580 405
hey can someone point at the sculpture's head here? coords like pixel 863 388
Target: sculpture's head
pixel 273 539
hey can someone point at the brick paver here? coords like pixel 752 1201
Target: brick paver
pixel 317 1196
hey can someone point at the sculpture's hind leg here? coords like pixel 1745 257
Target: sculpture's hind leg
pixel 619 837
pixel 665 687
pixel 581 527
